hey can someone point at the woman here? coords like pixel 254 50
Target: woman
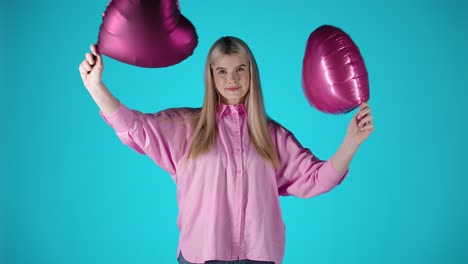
pixel 230 162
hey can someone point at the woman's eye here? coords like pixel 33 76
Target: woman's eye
pixel 221 72
pixel 240 69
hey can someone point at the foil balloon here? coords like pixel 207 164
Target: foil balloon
pixel 146 33
pixel 334 76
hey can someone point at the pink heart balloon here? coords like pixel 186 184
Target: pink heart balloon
pixel 146 33
pixel 334 76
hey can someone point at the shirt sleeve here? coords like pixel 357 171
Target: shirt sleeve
pixel 301 173
pixel 149 134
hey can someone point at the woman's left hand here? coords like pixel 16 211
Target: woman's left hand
pixel 361 125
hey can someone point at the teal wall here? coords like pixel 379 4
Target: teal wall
pixel 72 193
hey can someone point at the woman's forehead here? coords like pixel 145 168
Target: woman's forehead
pixel 230 61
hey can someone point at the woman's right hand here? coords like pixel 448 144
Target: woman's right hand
pixel 91 68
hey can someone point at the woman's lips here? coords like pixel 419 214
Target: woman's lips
pixel 233 89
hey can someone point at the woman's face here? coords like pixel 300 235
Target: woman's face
pixel 231 74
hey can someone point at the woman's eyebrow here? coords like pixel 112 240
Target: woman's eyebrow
pixel 222 68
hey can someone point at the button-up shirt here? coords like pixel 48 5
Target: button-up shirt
pixel 228 197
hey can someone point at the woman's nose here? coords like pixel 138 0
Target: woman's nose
pixel 233 77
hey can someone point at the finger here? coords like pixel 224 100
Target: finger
pixel 363 113
pixel 367 128
pixel 97 55
pixel 86 65
pixel 83 71
pixel 90 58
pixel 82 68
pixel 366 117
pixel 358 113
pixel 365 121
pixel 98 60
pixel 364 107
pixel 95 52
pixel 83 75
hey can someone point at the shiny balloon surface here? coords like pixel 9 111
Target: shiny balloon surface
pixel 146 33
pixel 334 76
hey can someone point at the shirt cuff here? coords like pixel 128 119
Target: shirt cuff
pixel 121 119
pixel 333 176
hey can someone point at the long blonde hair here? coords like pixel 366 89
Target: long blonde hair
pixel 205 132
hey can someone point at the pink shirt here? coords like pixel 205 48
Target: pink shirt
pixel 228 198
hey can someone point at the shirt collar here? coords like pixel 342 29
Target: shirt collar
pixel 226 109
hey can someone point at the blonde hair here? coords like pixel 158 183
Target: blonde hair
pixel 205 126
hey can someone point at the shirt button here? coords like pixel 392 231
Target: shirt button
pixel 238 149
pixel 236 132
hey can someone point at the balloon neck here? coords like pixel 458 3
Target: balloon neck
pixel 165 13
pixel 169 9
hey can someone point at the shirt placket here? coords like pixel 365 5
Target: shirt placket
pixel 237 243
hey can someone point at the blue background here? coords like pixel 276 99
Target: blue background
pixel 72 193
